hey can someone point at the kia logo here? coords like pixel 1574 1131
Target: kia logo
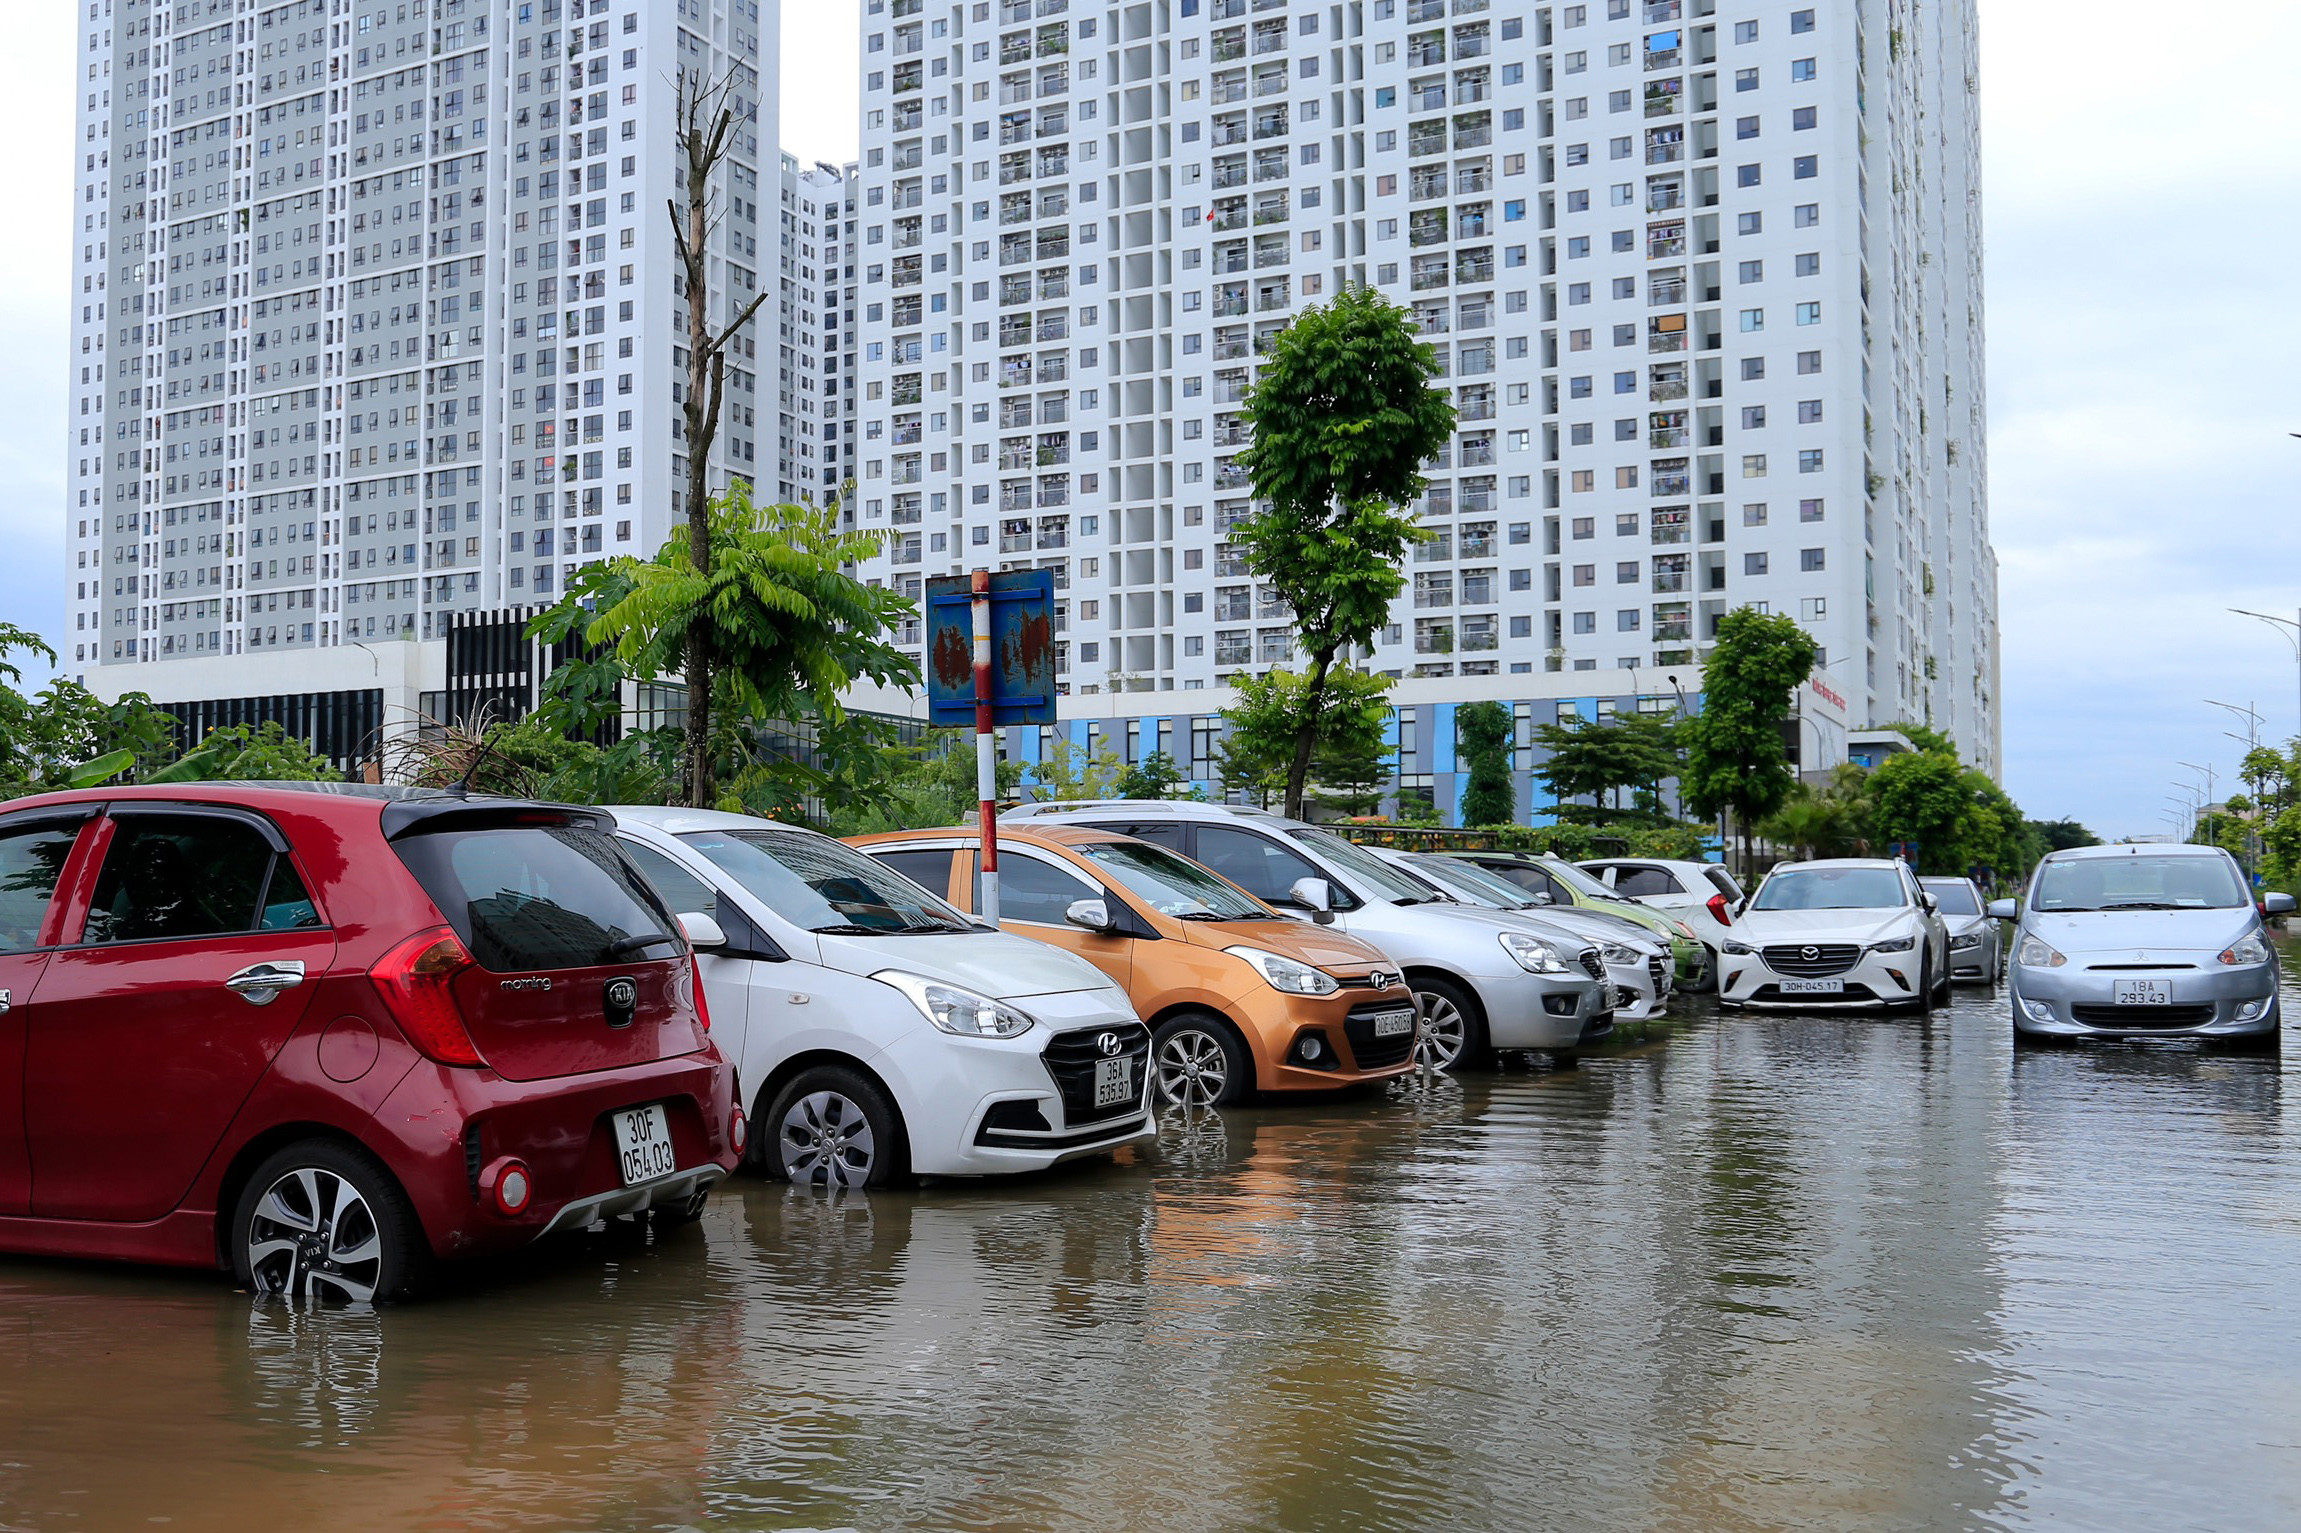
pixel 622 994
pixel 1809 952
pixel 1109 1043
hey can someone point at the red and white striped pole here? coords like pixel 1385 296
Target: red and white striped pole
pixel 986 751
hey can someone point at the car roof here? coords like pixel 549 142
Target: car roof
pixel 676 821
pixel 1052 835
pixel 1146 808
pixel 2134 849
pixel 1942 878
pixel 398 807
pixel 1837 862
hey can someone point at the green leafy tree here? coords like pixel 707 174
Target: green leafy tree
pixel 244 753
pixel 786 629
pixel 1071 773
pixel 1735 758
pixel 1346 716
pixel 2061 835
pixel 935 788
pixel 1155 776
pixel 1602 759
pixel 1344 416
pixel 1482 739
pixel 1832 820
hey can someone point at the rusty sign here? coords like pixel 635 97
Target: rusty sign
pixel 1022 648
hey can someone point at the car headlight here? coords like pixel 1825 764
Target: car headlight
pixel 2246 949
pixel 956 1009
pixel 1532 954
pixel 1965 940
pixel 1898 945
pixel 1285 974
pixel 2033 954
pixel 1736 949
pixel 1615 953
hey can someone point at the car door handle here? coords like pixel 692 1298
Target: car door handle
pixel 260 983
pixel 5 1000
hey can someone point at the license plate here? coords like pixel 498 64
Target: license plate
pixel 2144 992
pixel 1114 1082
pixel 1393 1024
pixel 1813 987
pixel 643 1145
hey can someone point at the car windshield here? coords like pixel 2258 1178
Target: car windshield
pixel 1474 883
pixel 1172 885
pixel 1577 880
pixel 2138 883
pixel 1954 897
pixel 1373 875
pixel 817 883
pixel 1830 889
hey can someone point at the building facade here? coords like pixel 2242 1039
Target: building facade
pixel 1704 285
pixel 816 369
pixel 381 324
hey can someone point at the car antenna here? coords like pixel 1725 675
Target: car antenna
pixel 461 788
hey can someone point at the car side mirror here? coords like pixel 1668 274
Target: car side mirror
pixel 1093 915
pixel 2276 904
pixel 703 933
pixel 2005 910
pixel 1315 895
pixel 1544 899
pixel 1929 902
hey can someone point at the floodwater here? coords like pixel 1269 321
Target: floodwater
pixel 1773 1272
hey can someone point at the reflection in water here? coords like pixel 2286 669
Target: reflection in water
pixel 1776 1271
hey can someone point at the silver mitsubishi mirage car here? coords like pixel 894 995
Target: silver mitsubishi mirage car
pixel 2147 941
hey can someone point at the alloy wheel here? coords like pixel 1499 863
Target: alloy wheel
pixel 1443 1031
pixel 1193 1069
pixel 827 1138
pixel 314 1236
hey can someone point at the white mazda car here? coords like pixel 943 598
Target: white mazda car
pixel 1851 931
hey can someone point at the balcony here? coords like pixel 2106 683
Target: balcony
pixel 1232 651
pixel 1474 131
pixel 1666 440
pixel 1226 92
pixel 1426 49
pixel 1228 174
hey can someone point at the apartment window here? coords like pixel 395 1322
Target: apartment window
pixel 1626 620
pixel 1753 417
pixel 1754 466
pixel 1754 514
pixel 1801 118
pixel 1801 69
pixel 1579 293
pixel 1810 559
pixel 1809 362
pixel 1805 167
pixel 1808 215
pixel 1810 460
pixel 1618 101
pixel 1753 319
pixel 1745 79
pixel 1583 480
pixel 1753 368
pixel 1585 527
pixel 1808 264
pixel 1809 510
pixel 1626 572
pixel 1619 148
pixel 1753 564
pixel 1801 21
pixel 1746 175
pixel 1577 247
pixel 1585 622
pixel 1750 223
pixel 1809 412
pixel 1745 31
pixel 1626 478
pixel 1809 313
pixel 1585 574
pixel 1751 271
pixel 1745 127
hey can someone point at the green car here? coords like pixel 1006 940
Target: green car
pixel 1562 883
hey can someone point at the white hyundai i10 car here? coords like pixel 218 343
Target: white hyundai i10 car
pixel 877 1032
pixel 1851 931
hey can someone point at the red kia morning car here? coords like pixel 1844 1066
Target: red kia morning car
pixel 325 1034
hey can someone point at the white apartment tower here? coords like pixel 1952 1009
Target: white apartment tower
pixel 817 362
pixel 380 323
pixel 1704 278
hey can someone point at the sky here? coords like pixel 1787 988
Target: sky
pixel 2142 203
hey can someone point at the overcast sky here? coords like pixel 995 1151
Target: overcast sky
pixel 2143 205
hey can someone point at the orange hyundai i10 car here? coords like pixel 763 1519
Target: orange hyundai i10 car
pixel 1239 998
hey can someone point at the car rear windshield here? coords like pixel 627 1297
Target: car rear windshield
pixel 1475 884
pixel 1171 885
pixel 1954 899
pixel 1576 879
pixel 824 885
pixel 2138 883
pixel 1831 889
pixel 530 897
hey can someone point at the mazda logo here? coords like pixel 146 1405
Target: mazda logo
pixel 1109 1043
pixel 622 994
pixel 1809 952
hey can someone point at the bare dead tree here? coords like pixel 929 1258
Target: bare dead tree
pixel 707 122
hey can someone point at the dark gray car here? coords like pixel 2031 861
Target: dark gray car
pixel 2149 941
pixel 1976 942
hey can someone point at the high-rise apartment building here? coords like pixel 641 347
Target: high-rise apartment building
pixel 817 364
pixel 381 326
pixel 1703 280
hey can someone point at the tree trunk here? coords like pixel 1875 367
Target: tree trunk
pixel 1306 733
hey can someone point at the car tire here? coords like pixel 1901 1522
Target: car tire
pixel 321 1219
pixel 1197 1061
pixel 832 1126
pixel 1925 995
pixel 1454 1033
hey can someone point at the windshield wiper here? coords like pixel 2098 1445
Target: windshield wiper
pixel 849 929
pixel 623 945
pixel 1210 915
pixel 2145 905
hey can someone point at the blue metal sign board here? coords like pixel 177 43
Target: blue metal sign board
pixel 1022 648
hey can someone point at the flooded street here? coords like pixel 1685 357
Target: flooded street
pixel 1772 1271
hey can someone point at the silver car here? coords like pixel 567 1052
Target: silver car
pixel 1976 942
pixel 2153 941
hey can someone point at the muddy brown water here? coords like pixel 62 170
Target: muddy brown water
pixel 1772 1272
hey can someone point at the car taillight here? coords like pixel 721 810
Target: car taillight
pixel 414 980
pixel 1718 909
pixel 702 1006
pixel 738 1130
pixel 514 1188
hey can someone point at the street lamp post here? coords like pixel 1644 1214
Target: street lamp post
pixel 2293 638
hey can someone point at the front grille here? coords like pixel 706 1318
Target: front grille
pixel 1661 973
pixel 2142 1018
pixel 1595 962
pixel 1812 960
pixel 1070 1058
pixel 2137 968
pixel 1368 981
pixel 1374 1053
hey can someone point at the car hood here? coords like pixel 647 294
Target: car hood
pixel 1760 927
pixel 995 963
pixel 2128 931
pixel 1599 927
pixel 1958 926
pixel 1321 947
pixel 1538 922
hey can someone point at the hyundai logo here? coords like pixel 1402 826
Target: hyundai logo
pixel 1109 1043
pixel 622 994
pixel 1382 979
pixel 1809 952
